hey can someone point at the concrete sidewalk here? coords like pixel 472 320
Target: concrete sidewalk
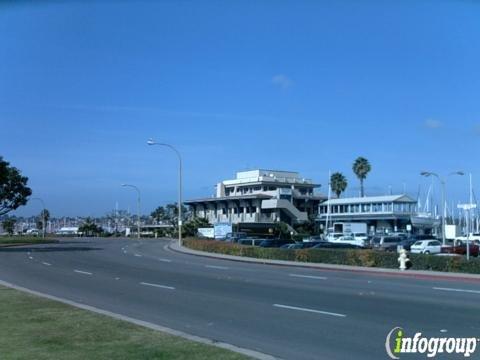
pixel 425 274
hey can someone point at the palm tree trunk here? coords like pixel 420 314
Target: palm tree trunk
pixel 361 188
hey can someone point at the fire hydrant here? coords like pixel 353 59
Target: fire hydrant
pixel 403 259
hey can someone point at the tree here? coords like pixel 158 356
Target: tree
pixel 44 216
pixel 190 228
pixel 14 191
pixel 338 183
pixel 9 225
pixel 361 167
pixel 282 231
pixel 159 214
pixel 89 228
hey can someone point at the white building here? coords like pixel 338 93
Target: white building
pixel 260 197
pixel 381 213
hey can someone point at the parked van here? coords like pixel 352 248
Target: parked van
pixel 386 243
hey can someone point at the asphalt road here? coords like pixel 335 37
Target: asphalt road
pixel 287 312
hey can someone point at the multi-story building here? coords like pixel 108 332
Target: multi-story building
pixel 381 213
pixel 260 197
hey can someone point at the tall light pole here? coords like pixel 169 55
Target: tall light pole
pixel 153 142
pixel 43 215
pixel 138 206
pixel 442 182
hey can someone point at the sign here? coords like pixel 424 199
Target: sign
pixel 222 229
pixel 283 191
pixel 206 232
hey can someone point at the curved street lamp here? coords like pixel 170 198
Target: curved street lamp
pixel 43 215
pixel 442 182
pixel 153 142
pixel 138 206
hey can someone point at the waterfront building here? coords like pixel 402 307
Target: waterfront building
pixel 382 214
pixel 261 197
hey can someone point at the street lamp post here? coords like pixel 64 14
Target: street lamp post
pixel 138 206
pixel 43 215
pixel 153 142
pixel 442 182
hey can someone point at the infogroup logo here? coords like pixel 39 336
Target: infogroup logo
pixel 397 343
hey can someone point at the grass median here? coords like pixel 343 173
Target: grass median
pixel 32 327
pixel 25 240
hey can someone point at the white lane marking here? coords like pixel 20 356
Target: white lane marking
pixel 30 257
pixel 158 286
pixel 216 267
pixel 83 272
pixel 308 276
pixel 457 290
pixel 309 310
pixel 165 260
pixel 138 255
pixel 45 263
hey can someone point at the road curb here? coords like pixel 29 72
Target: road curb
pixel 430 275
pixel 247 352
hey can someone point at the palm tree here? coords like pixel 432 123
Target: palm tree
pixel 338 183
pixel 361 167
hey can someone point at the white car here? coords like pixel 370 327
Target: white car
pixel 348 239
pixel 360 237
pixel 333 236
pixel 426 247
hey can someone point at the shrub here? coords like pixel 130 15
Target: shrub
pixel 367 258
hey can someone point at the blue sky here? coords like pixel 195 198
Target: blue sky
pixel 294 85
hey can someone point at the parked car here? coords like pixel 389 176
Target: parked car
pixel 386 243
pixel 234 237
pixel 426 247
pixel 361 237
pixel 309 244
pixel 270 243
pixel 460 248
pixel 292 246
pixel 250 241
pixel 348 239
pixel 412 239
pixel 314 238
pixel 334 245
pixel 333 236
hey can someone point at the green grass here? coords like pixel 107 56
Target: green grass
pixel 36 328
pixel 14 240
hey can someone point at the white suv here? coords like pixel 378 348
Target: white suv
pixel 426 247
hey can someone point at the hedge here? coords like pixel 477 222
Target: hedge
pixel 356 257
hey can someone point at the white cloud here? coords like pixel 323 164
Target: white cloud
pixel 282 81
pixel 433 124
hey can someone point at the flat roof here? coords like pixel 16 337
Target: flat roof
pixel 370 199
pixel 229 198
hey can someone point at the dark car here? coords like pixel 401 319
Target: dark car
pixel 300 245
pixel 461 249
pixel 386 242
pixel 331 245
pixel 273 243
pixel 234 237
pixel 292 246
pixel 251 241
pixel 412 239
